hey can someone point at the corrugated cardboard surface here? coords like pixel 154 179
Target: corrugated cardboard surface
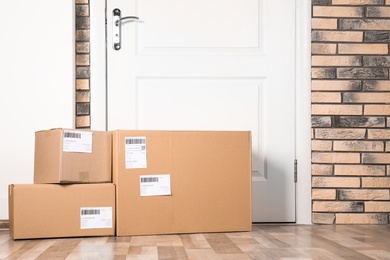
pixel 53 210
pixel 53 165
pixel 210 183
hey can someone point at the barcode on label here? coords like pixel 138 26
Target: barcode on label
pixel 149 179
pixel 72 135
pixel 90 212
pixel 135 141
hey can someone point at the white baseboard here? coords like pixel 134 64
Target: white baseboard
pixel 3 209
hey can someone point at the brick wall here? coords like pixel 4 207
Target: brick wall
pixel 350 111
pixel 83 95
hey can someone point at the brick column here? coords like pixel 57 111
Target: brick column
pixel 83 95
pixel 350 111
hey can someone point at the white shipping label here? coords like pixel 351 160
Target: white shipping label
pixel 135 152
pixel 96 217
pixel 155 185
pixel 77 141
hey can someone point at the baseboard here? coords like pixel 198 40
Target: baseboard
pixel 4 223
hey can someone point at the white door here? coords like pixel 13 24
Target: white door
pixel 212 65
pixel 36 80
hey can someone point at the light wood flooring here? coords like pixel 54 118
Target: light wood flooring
pixel 264 242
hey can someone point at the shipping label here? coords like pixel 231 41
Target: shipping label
pixel 135 152
pixel 155 185
pixel 77 141
pixel 100 217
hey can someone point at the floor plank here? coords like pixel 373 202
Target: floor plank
pixel 284 242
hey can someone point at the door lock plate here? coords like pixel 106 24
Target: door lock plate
pixel 117 20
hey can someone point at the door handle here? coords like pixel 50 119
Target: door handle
pixel 117 20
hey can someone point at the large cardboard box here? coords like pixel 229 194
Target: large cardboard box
pixel 72 156
pixel 182 181
pixel 53 210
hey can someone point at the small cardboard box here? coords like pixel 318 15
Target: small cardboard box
pixel 72 156
pixel 53 210
pixel 182 181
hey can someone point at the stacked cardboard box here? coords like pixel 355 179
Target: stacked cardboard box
pixel 182 181
pixel 72 194
pixel 70 156
pixel 52 210
pixel 163 182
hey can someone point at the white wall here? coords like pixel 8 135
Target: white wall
pixel 36 80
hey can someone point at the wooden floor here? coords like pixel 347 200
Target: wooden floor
pixel 264 242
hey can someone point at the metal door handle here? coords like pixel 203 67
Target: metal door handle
pixel 117 27
pixel 126 18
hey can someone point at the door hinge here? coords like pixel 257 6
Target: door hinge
pixel 295 170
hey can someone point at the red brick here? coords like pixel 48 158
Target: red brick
pixel 339 133
pixel 83 121
pixel 335 157
pixel 82 59
pixel 336 182
pixel 376 182
pixel 377 109
pixel 321 121
pixel 82 84
pixel 376 85
pixel 360 218
pixel 376 158
pixel 359 121
pixel 361 48
pixel 364 24
pixel 378 11
pixel 379 134
pixel 319 145
pixel 335 61
pixel 321 169
pixel 323 194
pixel 359 146
pixel 357 2
pixel 323 73
pixel 337 109
pixel 337 206
pixel 359 170
pixel 335 85
pixel 363 194
pixel 337 36
pixel 366 97
pixel 383 206
pixel 323 218
pixel 362 73
pixel 324 23
pixel 323 48
pixel 336 11
pixel 325 97
pixel 83 96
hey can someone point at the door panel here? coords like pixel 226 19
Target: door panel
pixel 201 103
pixel 186 22
pixel 212 65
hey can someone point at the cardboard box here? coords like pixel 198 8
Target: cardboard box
pixel 53 210
pixel 72 156
pixel 182 181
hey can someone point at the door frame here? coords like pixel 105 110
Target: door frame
pixel 98 83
